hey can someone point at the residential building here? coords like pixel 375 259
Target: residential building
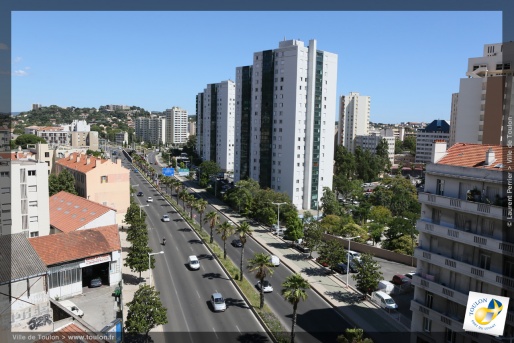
pixel 53 135
pixel 176 126
pixel 370 143
pixel 200 142
pixel 285 109
pixel 465 243
pixel 151 130
pixel 483 106
pixel 191 128
pixel 23 196
pixel 436 130
pixel 77 134
pixel 99 180
pixel 121 138
pixel 23 285
pixel 217 128
pixel 86 139
pixel 354 111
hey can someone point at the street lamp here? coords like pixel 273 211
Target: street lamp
pixel 278 217
pixel 150 254
pixel 348 259
pixel 140 207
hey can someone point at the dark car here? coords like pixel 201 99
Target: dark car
pixel 139 194
pixel 96 282
pixel 237 243
pixel 400 279
pixel 342 268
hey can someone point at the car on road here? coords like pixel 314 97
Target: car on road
pixel 150 199
pixel 400 279
pixel 274 260
pixel 95 282
pixel 139 194
pixel 194 264
pixel 237 243
pixel 410 275
pixel 266 286
pixel 165 218
pixel 135 170
pixel 217 302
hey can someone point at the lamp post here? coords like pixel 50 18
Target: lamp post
pixel 348 259
pixel 278 217
pixel 140 207
pixel 150 254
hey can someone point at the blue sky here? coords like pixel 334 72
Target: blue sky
pixel 408 62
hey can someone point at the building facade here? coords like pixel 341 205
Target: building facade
pixel 176 126
pixel 371 142
pixel 464 244
pixel 436 130
pixel 354 111
pixel 285 105
pixel 151 130
pixel 484 102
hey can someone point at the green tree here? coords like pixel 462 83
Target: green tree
pixel 354 335
pixel 400 226
pixel 380 214
pixel 137 258
pixel 409 143
pixel 207 169
pixel 62 182
pixel 225 230
pixel 398 195
pixel 145 311
pixel 200 206
pixel 294 229
pixel 348 189
pixel 331 223
pixel 134 214
pixel 261 264
pixel 353 230
pixel 376 231
pixel 332 252
pixel 368 274
pixel 344 163
pixel 23 140
pixel 313 236
pixel 190 200
pixel 294 290
pixel 402 245
pixel 330 205
pixel 243 230
pixel 213 219
pixel 381 151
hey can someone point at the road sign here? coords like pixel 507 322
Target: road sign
pixel 168 171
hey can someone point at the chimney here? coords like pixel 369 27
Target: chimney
pixel 88 159
pixel 438 150
pixel 96 162
pixel 489 157
pixel 78 158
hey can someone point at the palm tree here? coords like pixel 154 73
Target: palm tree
pixel 190 199
pixel 294 289
pixel 200 207
pixel 243 230
pixel 183 196
pixel 226 229
pixel 261 263
pixel 213 219
pixel 177 185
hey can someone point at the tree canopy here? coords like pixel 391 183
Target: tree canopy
pixel 62 182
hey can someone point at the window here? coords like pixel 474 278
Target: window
pixel 429 299
pixel 33 203
pixel 427 324
pixel 47 154
pixel 450 336
pixel 33 219
pixel 4 174
pixel 34 234
pixel 103 179
pixel 32 173
pixel 440 187
pixel 485 261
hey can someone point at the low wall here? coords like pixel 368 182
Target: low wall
pixel 378 252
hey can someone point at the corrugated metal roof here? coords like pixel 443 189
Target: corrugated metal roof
pixel 18 259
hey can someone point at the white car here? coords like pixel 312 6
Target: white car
pixel 217 302
pixel 150 199
pixel 165 218
pixel 266 286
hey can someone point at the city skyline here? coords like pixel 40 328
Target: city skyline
pixel 118 58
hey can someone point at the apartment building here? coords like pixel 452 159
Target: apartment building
pixel 483 105
pixel 151 130
pixel 191 128
pixel 53 135
pixel 121 138
pixel 436 130
pixel 464 242
pixel 217 114
pixel 99 180
pixel 176 126
pixel 23 196
pixel 285 110
pixel 370 143
pixel 77 134
pixel 354 111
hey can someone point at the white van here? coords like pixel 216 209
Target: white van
pixel 354 255
pixel 193 262
pixel 385 286
pixel 275 260
pixel 72 308
pixel 383 300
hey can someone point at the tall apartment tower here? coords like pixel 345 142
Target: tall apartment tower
pixel 484 102
pixel 151 130
pixel 176 125
pixel 354 112
pixel 285 111
pixel 216 118
pixel 425 138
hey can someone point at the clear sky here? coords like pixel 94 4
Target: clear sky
pixel 408 62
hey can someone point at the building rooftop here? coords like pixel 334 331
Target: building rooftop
pixel 70 212
pixel 474 156
pixel 81 162
pixel 18 259
pixel 68 334
pixel 65 247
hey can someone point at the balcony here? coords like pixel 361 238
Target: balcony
pixel 466 237
pixel 465 268
pixel 452 322
pixel 472 207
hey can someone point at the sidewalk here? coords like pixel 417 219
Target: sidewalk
pixel 362 314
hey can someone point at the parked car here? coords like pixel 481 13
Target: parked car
pixel 384 300
pixel 165 218
pixel 410 275
pixel 139 194
pixel 400 279
pixel 95 282
pixel 150 199
pixel 237 243
pixel 354 255
pixel 266 286
pixel 217 302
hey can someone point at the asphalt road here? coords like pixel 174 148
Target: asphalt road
pixel 186 292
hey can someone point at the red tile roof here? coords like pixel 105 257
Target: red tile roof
pixel 65 247
pixel 70 212
pixel 473 156
pixel 68 334
pixel 82 165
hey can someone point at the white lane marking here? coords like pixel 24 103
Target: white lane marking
pixel 198 295
pixel 215 333
pixel 238 329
